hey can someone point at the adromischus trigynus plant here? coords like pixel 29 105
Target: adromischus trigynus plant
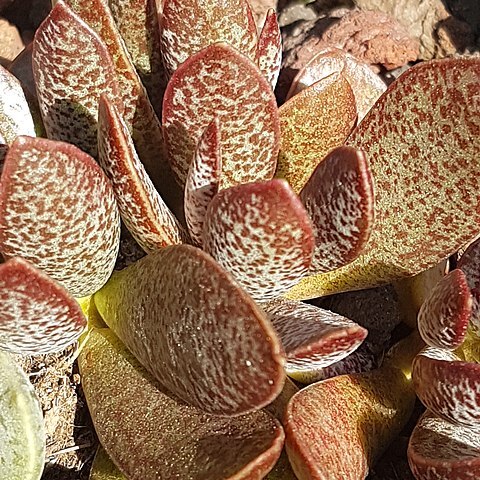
pixel 209 325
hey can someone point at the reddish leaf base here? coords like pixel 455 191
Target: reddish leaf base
pixel 469 263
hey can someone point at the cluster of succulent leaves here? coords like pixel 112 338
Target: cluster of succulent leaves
pixel 244 210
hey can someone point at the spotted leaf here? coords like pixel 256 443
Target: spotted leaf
pixel 444 316
pixel 311 337
pixel 440 449
pixel 58 212
pixel 142 209
pixel 421 139
pixel 219 82
pixel 203 180
pixel 188 26
pixel 339 200
pixel 269 49
pixel 448 387
pixel 312 123
pixel 156 436
pixel 199 334
pixel 261 234
pixel 68 89
pixel 36 314
pixel 366 85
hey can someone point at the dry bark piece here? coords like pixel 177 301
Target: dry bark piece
pixel 68 90
pixel 143 211
pixel 188 26
pixel 269 49
pixel 440 449
pixel 366 85
pixel 339 200
pixel 199 334
pixel 312 123
pixel 72 230
pixel 156 436
pixel 37 315
pixel 22 432
pixel 312 338
pixel 448 387
pixel 203 180
pixel 422 144
pixel 444 316
pixel 261 234
pixel 219 82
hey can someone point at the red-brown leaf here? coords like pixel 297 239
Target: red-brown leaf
pixel 261 234
pixel 58 211
pixel 36 314
pixel 219 82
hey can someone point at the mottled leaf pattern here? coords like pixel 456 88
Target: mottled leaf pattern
pixel 421 139
pixel 15 116
pixel 203 181
pixel 36 314
pixel 71 231
pixel 228 86
pixel 68 89
pixel 366 85
pixel 444 316
pixel 441 450
pixel 261 234
pixel 150 434
pixel 339 200
pixel 177 310
pixel 269 49
pixel 143 211
pixel 447 386
pixel 188 26
pixel 312 123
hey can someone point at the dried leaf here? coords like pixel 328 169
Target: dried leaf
pixel 312 123
pixel 58 212
pixel 188 26
pixel 203 180
pixel 444 316
pixel 199 334
pixel 143 211
pixel 22 433
pixel 155 436
pixel 219 82
pixel 439 449
pixel 261 234
pixel 68 89
pixel 447 386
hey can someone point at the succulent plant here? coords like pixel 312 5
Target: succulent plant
pixel 244 210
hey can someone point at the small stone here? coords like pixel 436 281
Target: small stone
pixel 11 43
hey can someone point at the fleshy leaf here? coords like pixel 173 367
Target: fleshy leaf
pixel 70 231
pixel 188 26
pixel 439 449
pixel 219 82
pixel 444 316
pixel 15 116
pixel 447 386
pixel 199 334
pixel 261 234
pixel 144 212
pixel 156 436
pixel 36 314
pixel 269 49
pixel 312 123
pixel 203 180
pixel 366 85
pixel 103 468
pixel 22 433
pixel 339 200
pixel 422 141
pixel 312 338
pixel 68 89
